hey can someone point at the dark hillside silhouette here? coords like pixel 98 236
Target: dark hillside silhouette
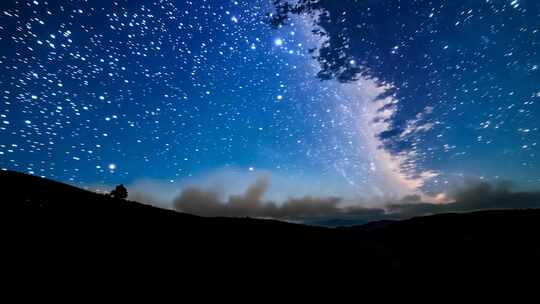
pixel 51 219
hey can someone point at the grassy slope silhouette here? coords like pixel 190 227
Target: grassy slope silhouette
pixel 55 220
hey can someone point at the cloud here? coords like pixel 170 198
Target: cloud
pixel 476 196
pixel 335 211
pixel 251 204
pixel 154 192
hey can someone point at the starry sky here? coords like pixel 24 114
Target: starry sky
pixel 346 98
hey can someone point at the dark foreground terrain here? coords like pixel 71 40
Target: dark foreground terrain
pixel 50 224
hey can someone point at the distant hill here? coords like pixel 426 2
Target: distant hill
pixel 56 221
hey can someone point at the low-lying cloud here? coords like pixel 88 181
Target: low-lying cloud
pixel 251 204
pixel 337 211
pixel 477 196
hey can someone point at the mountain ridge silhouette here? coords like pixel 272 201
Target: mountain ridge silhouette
pixel 49 218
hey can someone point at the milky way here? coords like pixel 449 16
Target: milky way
pixel 100 93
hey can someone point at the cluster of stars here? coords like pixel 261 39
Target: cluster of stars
pixel 115 91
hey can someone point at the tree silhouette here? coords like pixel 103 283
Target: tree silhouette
pixel 120 192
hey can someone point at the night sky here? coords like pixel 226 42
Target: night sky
pixel 385 99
